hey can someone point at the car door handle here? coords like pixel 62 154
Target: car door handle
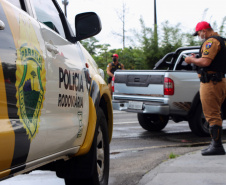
pixel 2 25
pixel 51 48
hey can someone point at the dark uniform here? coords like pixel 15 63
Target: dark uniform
pixel 213 84
pixel 112 67
pixel 213 90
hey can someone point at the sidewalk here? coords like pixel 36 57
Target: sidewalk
pixel 189 169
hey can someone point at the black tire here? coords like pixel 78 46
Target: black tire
pixel 152 122
pixel 198 124
pixel 94 165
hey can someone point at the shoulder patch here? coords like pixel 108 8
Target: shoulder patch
pixel 209 44
pixel 206 52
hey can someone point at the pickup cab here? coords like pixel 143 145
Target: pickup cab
pixel 169 91
pixel 55 107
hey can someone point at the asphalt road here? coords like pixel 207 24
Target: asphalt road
pixel 133 151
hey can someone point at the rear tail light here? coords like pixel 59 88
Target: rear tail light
pixel 168 86
pixel 113 84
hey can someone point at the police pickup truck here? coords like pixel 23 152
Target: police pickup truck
pixel 159 95
pixel 55 108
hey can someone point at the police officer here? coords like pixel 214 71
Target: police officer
pixel 212 69
pixel 112 67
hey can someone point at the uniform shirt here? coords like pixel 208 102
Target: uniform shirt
pixel 112 68
pixel 214 48
pixel 211 47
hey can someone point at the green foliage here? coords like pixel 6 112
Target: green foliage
pixel 153 45
pixel 222 27
pixel 173 156
pixel 149 45
pixel 172 38
pixel 91 45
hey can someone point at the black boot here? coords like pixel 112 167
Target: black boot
pixel 216 147
pixel 203 150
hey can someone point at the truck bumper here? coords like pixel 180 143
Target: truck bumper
pixel 147 107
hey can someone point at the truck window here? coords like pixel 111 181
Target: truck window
pixel 166 62
pixel 182 65
pixel 47 13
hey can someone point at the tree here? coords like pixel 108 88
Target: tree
pixel 91 45
pixel 190 40
pixel 172 37
pixel 153 46
pixel 122 18
pixel 149 45
pixel 222 27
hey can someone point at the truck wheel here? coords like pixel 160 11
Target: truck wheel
pixel 198 124
pixel 93 167
pixel 152 122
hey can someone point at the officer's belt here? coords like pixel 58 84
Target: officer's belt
pixel 213 72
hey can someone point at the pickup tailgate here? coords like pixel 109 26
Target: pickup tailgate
pixel 140 91
pixel 155 92
pixel 143 83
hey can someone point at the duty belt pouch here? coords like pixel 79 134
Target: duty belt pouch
pixel 216 77
pixel 204 77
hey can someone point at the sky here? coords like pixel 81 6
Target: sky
pixel 186 12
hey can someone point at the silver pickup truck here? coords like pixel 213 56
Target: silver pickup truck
pixel 170 91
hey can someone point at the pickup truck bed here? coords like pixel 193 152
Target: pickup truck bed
pixel 159 95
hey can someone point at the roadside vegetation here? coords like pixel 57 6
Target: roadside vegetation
pixel 173 156
pixel 151 45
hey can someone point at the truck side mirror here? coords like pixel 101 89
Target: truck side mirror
pixel 87 25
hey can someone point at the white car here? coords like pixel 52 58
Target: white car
pixel 55 107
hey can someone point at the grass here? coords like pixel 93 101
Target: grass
pixel 173 156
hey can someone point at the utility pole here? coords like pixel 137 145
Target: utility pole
pixel 155 17
pixel 65 3
pixel 155 26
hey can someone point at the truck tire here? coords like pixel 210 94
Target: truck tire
pixel 152 122
pixel 93 168
pixel 198 124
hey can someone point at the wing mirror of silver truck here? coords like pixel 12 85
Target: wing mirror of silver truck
pixel 87 25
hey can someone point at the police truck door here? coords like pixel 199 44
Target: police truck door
pixel 66 93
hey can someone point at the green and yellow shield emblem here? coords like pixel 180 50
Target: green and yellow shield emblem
pixel 30 78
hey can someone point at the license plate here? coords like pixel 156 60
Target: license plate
pixel 135 105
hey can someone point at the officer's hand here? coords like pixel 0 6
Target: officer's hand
pixel 188 60
pixel 193 55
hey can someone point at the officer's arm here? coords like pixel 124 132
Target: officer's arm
pixel 109 70
pixel 201 62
